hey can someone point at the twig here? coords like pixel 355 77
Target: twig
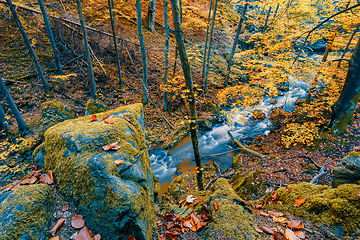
pixel 229 175
pixel 320 174
pixel 242 147
pixel 339 59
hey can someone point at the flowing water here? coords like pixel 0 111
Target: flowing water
pixel 214 144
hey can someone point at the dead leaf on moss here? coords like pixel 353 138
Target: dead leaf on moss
pixel 358 194
pixel 105 117
pixel 258 230
pixel 118 162
pixel 300 234
pixel 112 146
pixel 132 237
pixel 290 235
pixel 65 208
pixel 276 214
pixel 216 207
pixel 109 120
pixel 264 214
pixel 295 224
pixel 97 237
pixel 33 180
pixel 267 230
pixel 298 202
pixel 26 181
pixel 55 238
pixel 77 222
pixel 58 224
pixel 93 118
pixel 46 179
pixel 279 219
pixel 288 189
pixel 84 234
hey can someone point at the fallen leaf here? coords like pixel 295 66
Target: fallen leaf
pixel 132 237
pixel 25 181
pixel 274 196
pixel 290 235
pixel 109 120
pixel 55 238
pixel 279 219
pixel 295 224
pixel 69 123
pixel 182 202
pixel 190 198
pixel 276 214
pixel 77 222
pixel 45 178
pixel 298 202
pixel 216 207
pixel 258 230
pixel 51 175
pixel 288 189
pixel 267 230
pixel 84 234
pixel 357 148
pixel 197 201
pixel 33 180
pixel 187 224
pixel 112 146
pixel 105 117
pixel 265 214
pixel 58 224
pixel 128 119
pixel 162 237
pixel 300 234
pixel 170 224
pixel 65 208
pixel 119 162
pixel 93 118
pixel 97 237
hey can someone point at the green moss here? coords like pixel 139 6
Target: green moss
pixel 93 107
pixel 28 144
pixel 355 153
pixel 324 204
pixel 27 212
pixel 37 150
pixel 247 183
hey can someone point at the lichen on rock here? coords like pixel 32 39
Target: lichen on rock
pixel 348 170
pixel 93 107
pixel 55 112
pixel 116 201
pixel 25 213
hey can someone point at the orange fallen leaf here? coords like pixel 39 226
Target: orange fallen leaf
pixel 288 189
pixel 264 214
pixel 162 237
pixel 300 234
pixel 105 117
pixel 258 230
pixel 290 235
pixel 216 206
pixel 77 222
pixel 274 196
pixel 93 118
pixel 119 162
pixel 97 237
pixel 51 175
pixel 187 224
pixel 298 202
pixel 55 238
pixel 267 230
pixel 33 180
pixel 109 120
pixel 276 214
pixel 58 224
pixel 279 219
pixel 84 234
pixel 25 181
pixel 15 187
pixel 65 208
pixel 111 146
pixel 295 224
pixel 132 237
pixel 45 178
pixel 69 123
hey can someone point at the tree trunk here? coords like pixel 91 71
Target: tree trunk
pixel 29 47
pixel 192 101
pixel 343 109
pixel 209 52
pixel 143 51
pixel 348 44
pixel 235 44
pixel 206 41
pixel 166 25
pixel 23 129
pixel 87 51
pixel 51 37
pixel 150 19
pixel 267 20
pixel 111 5
pixel 4 123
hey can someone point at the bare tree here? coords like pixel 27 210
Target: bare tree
pixel 150 18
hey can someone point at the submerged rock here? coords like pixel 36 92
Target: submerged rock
pixel 348 170
pixel 115 200
pixel 231 220
pixel 25 213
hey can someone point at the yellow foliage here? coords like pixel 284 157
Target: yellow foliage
pixel 305 134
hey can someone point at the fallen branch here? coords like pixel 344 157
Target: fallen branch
pixel 229 175
pixel 242 147
pixel 320 174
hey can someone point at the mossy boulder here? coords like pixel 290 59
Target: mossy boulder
pixel 25 213
pixel 38 156
pixel 348 170
pixel 323 204
pixel 115 200
pixel 93 107
pixel 247 183
pixel 231 220
pixel 55 112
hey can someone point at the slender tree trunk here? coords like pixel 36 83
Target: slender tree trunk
pixel 150 19
pixel 235 44
pixel 87 50
pixel 166 24
pixel 275 14
pixel 206 42
pixel 4 123
pixel 348 44
pixel 343 109
pixel 192 101
pixel 316 79
pixel 23 129
pixel 267 20
pixel 28 45
pixel 51 37
pixel 143 51
pixel 209 52
pixel 111 5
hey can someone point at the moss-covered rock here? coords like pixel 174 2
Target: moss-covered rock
pixel 93 107
pixel 348 170
pixel 28 144
pixel 38 156
pixel 231 220
pixel 115 200
pixel 334 206
pixel 247 183
pixel 55 112
pixel 25 213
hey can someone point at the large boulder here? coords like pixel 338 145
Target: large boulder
pixel 54 112
pixel 25 213
pixel 348 170
pixel 231 220
pixel 115 200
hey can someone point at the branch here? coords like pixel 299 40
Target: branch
pixel 245 148
pixel 320 174
pixel 339 59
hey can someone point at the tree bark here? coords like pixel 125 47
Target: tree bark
pixel 4 123
pixel 143 51
pixel 111 5
pixel 150 19
pixel 23 129
pixel 28 45
pixel 206 41
pixel 235 44
pixel 343 108
pixel 166 26
pixel 87 51
pixel 348 44
pixel 51 37
pixel 188 80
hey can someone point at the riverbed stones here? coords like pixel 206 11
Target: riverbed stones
pixel 232 220
pixel 348 170
pixel 116 200
pixel 25 213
